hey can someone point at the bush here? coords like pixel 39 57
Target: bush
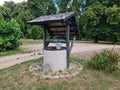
pixel 9 35
pixel 35 32
pixel 107 60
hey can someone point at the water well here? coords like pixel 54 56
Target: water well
pixel 61 28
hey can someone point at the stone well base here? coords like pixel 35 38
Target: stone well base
pixel 55 59
pixel 37 71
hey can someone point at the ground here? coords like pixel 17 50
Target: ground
pixel 18 76
pixel 83 50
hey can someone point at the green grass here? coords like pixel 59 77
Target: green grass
pixel 11 52
pixel 19 51
pixel 30 41
pixel 99 42
pixel 19 78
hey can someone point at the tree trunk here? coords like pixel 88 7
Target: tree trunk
pixel 95 39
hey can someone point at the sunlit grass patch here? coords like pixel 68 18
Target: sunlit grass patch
pixel 11 52
pixel 30 41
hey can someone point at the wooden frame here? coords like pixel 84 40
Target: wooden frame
pixel 60 24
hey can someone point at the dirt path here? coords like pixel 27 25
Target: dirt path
pixel 11 60
pixel 84 50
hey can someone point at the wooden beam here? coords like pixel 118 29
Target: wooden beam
pixel 44 38
pixel 71 32
pixel 62 29
pixel 57 24
pixel 72 43
pixel 63 34
pixel 67 45
pixel 55 40
pixel 62 26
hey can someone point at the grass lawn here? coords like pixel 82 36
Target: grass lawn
pixel 30 41
pixel 11 52
pixel 19 78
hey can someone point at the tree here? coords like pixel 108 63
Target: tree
pixel 12 6
pixel 5 12
pixel 94 23
pixel 75 7
pixel 101 21
pixel 9 34
pixel 40 7
pixel 63 5
pixel 113 19
pixel 23 16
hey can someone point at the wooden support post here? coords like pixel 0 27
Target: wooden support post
pixel 44 38
pixel 67 45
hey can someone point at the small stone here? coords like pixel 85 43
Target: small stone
pixel 43 71
pixel 46 68
pixel 56 77
pixel 39 53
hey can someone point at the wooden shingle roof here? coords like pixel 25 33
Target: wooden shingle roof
pixel 57 24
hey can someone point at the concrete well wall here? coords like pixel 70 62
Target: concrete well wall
pixel 55 59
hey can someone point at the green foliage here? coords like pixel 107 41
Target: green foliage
pixel 35 32
pixel 101 20
pixel 22 25
pixel 40 7
pixel 5 12
pixel 113 19
pixel 9 34
pixel 23 16
pixel 113 15
pixel 12 6
pixel 107 60
pixel 62 5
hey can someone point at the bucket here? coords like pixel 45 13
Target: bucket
pixel 58 45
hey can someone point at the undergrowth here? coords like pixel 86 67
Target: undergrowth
pixel 107 60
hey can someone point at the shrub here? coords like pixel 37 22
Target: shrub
pixel 35 32
pixel 107 60
pixel 9 34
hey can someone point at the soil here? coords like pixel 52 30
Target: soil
pixel 83 50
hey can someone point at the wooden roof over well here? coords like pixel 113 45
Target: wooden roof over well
pixel 57 24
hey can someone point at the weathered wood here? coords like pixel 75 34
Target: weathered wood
pixel 62 26
pixel 62 31
pixel 58 25
pixel 72 43
pixel 57 22
pixel 62 17
pixel 44 37
pixel 57 34
pixel 67 44
pixel 55 40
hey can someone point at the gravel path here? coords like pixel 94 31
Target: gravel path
pixel 79 49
